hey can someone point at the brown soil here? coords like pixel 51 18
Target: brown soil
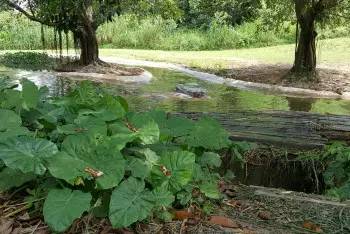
pixel 327 78
pixel 100 68
pixel 252 209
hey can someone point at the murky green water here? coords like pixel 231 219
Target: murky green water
pixel 160 93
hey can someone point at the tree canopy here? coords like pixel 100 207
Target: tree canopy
pixel 83 17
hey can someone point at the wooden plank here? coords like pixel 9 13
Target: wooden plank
pixel 282 128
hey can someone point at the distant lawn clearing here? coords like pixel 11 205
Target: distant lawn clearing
pixel 330 51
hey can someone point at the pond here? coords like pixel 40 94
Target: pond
pixel 160 93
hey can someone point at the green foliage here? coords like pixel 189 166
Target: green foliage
pixel 63 206
pixel 85 152
pixel 28 60
pixel 155 32
pixel 11 178
pixel 22 34
pixel 130 202
pixel 207 134
pixel 175 170
pixel 335 170
pixel 129 31
pixel 11 125
pixel 337 174
pixel 27 154
pixel 201 12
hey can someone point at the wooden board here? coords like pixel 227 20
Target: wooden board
pixel 282 128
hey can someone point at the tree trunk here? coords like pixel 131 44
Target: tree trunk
pixel 305 55
pixel 88 47
pixel 87 36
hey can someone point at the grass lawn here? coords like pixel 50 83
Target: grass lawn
pixel 330 51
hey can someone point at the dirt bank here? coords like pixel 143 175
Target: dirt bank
pixel 328 77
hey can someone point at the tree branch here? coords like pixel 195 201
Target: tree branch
pixel 25 13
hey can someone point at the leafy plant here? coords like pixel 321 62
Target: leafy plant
pixel 335 168
pixel 86 152
pixel 337 174
pixel 28 60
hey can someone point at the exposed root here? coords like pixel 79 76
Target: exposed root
pixel 100 67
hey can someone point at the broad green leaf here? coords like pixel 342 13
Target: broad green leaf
pixel 210 189
pixel 110 108
pixel 10 125
pixel 84 154
pixel 63 206
pixel 27 154
pixel 210 159
pixel 11 178
pixel 138 168
pixel 130 202
pixel 11 99
pixel 178 126
pixel 85 95
pixel 174 170
pixel 208 134
pixel 57 166
pixel 149 133
pixel 141 168
pixel 85 125
pixel 151 158
pixel 185 195
pixel 162 197
pixel 50 113
pixel 30 94
pixel 146 128
pixel 118 128
pixel 120 140
pixel 198 173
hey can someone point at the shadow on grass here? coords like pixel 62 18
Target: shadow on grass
pixel 28 61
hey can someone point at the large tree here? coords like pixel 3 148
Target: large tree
pixel 81 17
pixel 308 12
pixel 311 16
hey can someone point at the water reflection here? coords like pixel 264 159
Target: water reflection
pixel 160 94
pixel 300 104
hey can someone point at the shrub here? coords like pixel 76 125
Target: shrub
pixel 86 152
pixel 154 32
pixel 28 61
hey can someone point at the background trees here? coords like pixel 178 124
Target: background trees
pixel 81 17
pixel 308 14
pixel 310 17
pixel 235 23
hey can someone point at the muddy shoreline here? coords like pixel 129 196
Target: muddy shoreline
pixel 249 78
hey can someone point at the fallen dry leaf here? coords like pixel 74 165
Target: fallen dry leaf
pixel 265 215
pixel 94 173
pixel 165 170
pixel 232 203
pixel 224 221
pixel 311 226
pixel 182 214
pixel 6 226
